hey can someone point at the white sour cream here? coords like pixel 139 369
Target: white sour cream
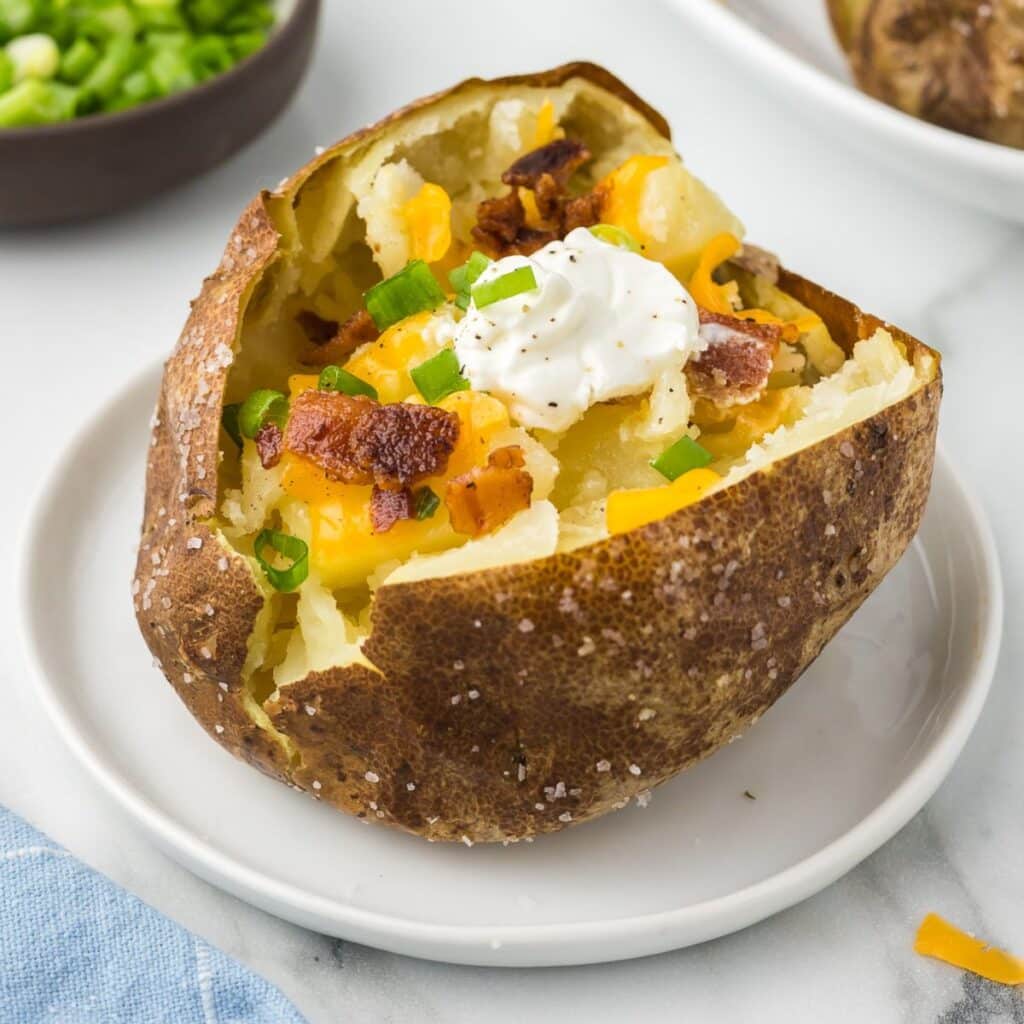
pixel 602 323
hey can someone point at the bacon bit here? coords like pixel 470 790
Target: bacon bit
pixel 388 507
pixel 355 331
pixel 488 496
pixel 734 368
pixel 269 444
pixel 583 211
pixel 501 222
pixel 557 161
pixel 358 441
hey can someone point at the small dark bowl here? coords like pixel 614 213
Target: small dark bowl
pixel 83 168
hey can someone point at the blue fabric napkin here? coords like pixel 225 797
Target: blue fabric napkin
pixel 76 949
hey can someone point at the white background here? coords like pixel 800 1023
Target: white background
pixel 83 308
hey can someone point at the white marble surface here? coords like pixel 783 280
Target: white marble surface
pixel 83 307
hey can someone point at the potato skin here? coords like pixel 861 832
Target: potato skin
pixel 519 700
pixel 956 63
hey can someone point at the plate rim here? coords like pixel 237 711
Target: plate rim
pixel 516 945
pixel 828 93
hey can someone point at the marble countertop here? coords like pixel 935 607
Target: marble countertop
pixel 77 301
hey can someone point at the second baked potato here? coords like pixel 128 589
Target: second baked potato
pixel 956 63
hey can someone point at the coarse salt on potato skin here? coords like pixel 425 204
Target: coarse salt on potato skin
pixel 545 693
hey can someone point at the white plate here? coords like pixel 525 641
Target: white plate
pixel 787 48
pixel 841 763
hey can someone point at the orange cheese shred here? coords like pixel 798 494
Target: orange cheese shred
pixel 706 292
pixel 937 938
pixel 428 217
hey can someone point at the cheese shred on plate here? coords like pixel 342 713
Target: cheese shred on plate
pixel 938 938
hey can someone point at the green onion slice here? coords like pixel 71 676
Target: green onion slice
pixel 614 235
pixel 439 376
pixel 261 406
pixel 426 503
pixel 334 378
pixel 291 548
pixel 680 458
pixel 412 290
pixel 229 421
pixel 463 278
pixel 515 282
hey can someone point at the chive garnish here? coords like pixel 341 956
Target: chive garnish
pixel 334 378
pixel 680 458
pixel 292 548
pixel 614 235
pixel 463 278
pixel 229 421
pixel 262 405
pixel 439 376
pixel 426 503
pixel 412 290
pixel 515 282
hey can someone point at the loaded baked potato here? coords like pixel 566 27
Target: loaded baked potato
pixel 957 63
pixel 494 482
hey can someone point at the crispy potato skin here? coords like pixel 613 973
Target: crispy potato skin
pixel 487 721
pixel 957 63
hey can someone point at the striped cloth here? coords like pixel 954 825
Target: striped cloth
pixel 76 949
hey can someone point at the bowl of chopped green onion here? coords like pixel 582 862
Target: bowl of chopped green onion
pixel 104 103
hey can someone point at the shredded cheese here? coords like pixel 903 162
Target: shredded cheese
pixel 714 297
pixel 938 938
pixel 546 129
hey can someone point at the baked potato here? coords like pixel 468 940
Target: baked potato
pixel 493 482
pixel 956 63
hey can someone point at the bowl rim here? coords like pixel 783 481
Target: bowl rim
pixel 282 34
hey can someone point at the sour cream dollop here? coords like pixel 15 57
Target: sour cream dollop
pixel 602 323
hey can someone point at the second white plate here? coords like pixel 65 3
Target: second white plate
pixel 787 49
pixel 841 762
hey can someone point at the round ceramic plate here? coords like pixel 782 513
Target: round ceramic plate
pixel 788 50
pixel 830 773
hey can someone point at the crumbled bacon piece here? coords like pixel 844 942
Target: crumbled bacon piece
pixel 358 441
pixel 734 368
pixel 501 222
pixel 389 507
pixel 355 331
pixel 269 444
pixel 488 496
pixel 582 211
pixel 556 161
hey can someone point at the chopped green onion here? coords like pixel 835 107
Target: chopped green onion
pixel 34 56
pixel 108 22
pixel 105 78
pixel 36 102
pixel 439 376
pixel 463 278
pixel 614 235
pixel 334 378
pixel 515 282
pixel 171 70
pixel 426 503
pixel 78 61
pixel 229 421
pixel 260 407
pixel 680 458
pixel 412 290
pixel 292 548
